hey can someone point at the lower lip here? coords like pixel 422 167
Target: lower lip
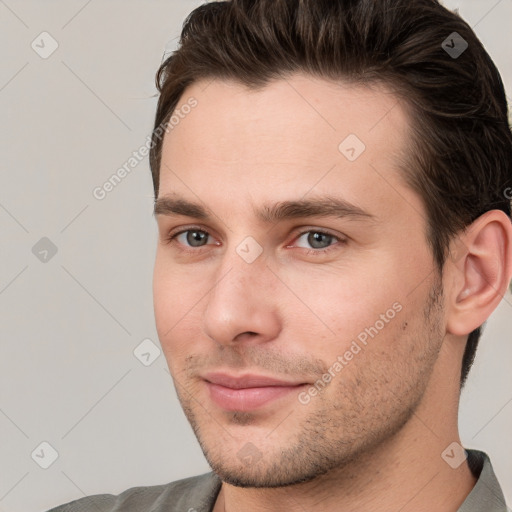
pixel 247 399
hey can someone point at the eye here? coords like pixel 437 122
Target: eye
pixel 192 237
pixel 319 240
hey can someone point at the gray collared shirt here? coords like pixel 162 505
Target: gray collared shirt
pixel 486 495
pixel 198 494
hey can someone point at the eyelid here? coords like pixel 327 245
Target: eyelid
pixel 312 229
pixel 170 237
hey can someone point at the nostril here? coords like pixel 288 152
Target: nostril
pixel 242 335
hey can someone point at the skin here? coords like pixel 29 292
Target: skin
pixel 372 438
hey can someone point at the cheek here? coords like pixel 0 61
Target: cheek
pixel 342 304
pixel 351 311
pixel 174 297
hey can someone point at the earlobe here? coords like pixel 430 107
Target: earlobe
pixel 481 274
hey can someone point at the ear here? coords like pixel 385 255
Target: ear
pixel 479 271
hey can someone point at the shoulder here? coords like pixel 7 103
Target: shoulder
pixel 194 494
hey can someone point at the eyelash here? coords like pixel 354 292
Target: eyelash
pixel 171 239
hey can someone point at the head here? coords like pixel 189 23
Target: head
pixel 405 159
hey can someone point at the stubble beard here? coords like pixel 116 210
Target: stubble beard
pixel 369 410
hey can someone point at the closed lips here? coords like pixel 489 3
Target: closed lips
pixel 248 392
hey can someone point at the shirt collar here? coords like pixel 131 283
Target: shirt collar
pixel 486 494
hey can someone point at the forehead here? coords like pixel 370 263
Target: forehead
pixel 292 135
pixel 308 108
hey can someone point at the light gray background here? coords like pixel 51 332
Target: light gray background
pixel 69 326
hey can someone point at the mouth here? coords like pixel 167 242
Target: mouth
pixel 248 392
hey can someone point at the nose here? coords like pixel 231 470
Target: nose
pixel 242 307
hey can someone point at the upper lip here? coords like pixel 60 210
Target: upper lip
pixel 246 381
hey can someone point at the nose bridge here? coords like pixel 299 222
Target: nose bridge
pixel 244 269
pixel 240 301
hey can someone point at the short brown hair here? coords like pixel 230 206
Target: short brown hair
pixel 460 158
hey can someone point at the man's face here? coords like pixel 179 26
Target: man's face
pixel 301 341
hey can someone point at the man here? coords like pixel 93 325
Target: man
pixel 334 224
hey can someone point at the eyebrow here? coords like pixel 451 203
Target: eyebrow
pixel 326 206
